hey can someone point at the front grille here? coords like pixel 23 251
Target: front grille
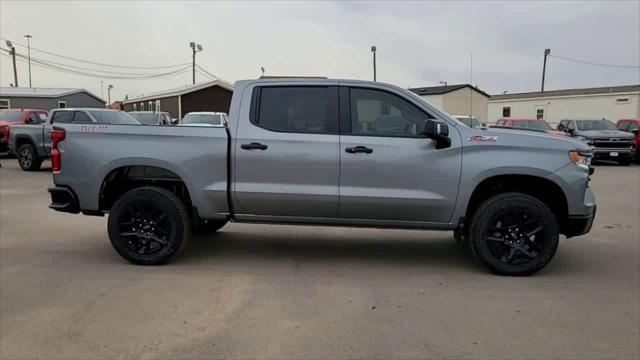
pixel 612 143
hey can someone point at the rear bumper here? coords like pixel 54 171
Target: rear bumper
pixel 579 225
pixel 63 199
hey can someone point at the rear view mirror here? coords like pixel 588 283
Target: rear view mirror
pixel 438 132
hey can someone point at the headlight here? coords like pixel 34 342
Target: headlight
pixel 580 158
pixel 585 139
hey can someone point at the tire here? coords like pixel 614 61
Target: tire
pixel 148 226
pixel 28 158
pixel 514 234
pixel 207 227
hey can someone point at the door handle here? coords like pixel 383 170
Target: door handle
pixel 254 146
pixel 359 149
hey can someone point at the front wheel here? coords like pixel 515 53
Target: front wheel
pixel 28 158
pixel 148 225
pixel 514 234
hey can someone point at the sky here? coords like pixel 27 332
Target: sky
pixel 418 43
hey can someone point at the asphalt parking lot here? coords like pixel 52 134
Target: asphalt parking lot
pixel 258 291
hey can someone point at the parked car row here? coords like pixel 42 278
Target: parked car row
pixel 620 142
pixel 26 133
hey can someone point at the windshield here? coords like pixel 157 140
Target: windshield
pixel 10 116
pixel 114 118
pixel 586 125
pixel 146 118
pixel 202 119
pixel 531 124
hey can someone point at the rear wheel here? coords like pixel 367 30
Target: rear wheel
pixel 514 234
pixel 148 226
pixel 28 158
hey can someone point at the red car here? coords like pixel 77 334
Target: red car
pixel 632 126
pixel 17 116
pixel 529 123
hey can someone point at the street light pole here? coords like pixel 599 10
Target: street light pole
pixel 12 51
pixel 544 67
pixel 195 48
pixel 109 94
pixel 373 50
pixel 29 55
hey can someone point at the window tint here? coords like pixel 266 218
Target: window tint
pixel 623 125
pixel 298 109
pixel 633 126
pixel 375 112
pixel 80 117
pixel 61 117
pixel 114 118
pixel 34 118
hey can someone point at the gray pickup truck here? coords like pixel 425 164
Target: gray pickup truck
pixel 31 142
pixel 607 142
pixel 327 152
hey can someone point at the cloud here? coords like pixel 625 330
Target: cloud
pixel 419 43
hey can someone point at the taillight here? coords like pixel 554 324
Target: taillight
pixel 4 131
pixel 57 135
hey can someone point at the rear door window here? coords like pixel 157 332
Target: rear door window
pixel 62 117
pixel 299 109
pixel 80 117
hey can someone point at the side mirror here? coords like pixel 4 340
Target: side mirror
pixel 438 132
pixel 635 131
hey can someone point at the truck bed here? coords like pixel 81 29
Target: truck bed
pixel 197 155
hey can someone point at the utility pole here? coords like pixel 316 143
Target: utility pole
pixel 544 67
pixel 373 50
pixel 29 54
pixel 102 89
pixel 12 51
pixel 195 48
pixel 109 94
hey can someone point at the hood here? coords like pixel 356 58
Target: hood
pixel 521 138
pixel 604 133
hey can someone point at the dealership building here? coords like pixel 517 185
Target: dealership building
pixel 611 102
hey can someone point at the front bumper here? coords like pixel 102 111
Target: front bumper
pixel 612 153
pixel 579 225
pixel 63 199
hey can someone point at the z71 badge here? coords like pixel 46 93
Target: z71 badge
pixel 482 138
pixel 93 128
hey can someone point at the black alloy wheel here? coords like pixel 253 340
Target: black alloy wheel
pixel 148 225
pixel 515 237
pixel 513 234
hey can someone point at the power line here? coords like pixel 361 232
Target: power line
pixel 206 72
pixel 100 76
pixel 594 63
pixel 97 63
pixel 54 63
